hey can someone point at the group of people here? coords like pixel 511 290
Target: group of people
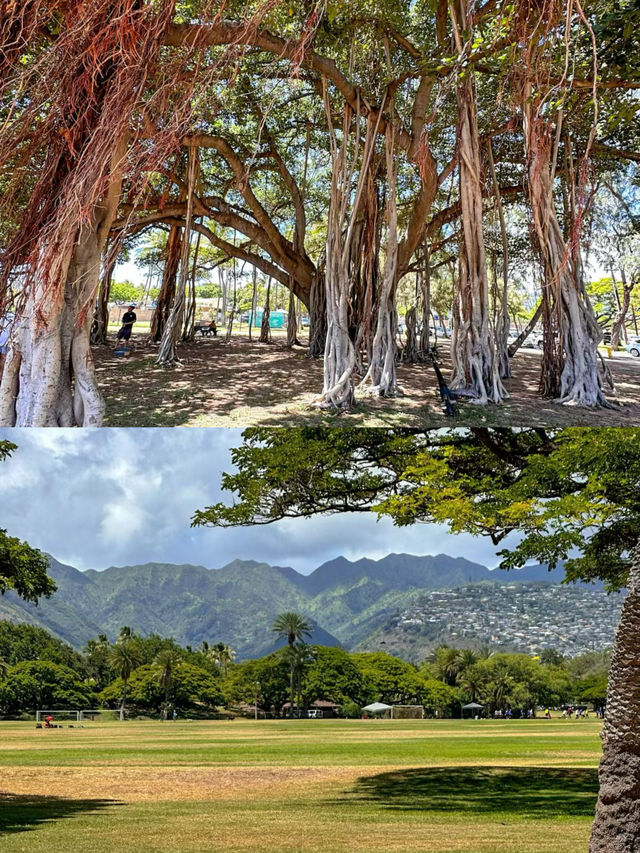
pixel 578 713
pixel 508 714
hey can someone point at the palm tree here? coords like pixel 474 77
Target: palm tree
pixel 291 627
pixel 166 662
pixel 123 658
pixel 4 667
pixel 299 656
pixel 472 679
pixel 501 684
pixel 97 654
pixel 466 658
pixel 447 662
pixel 223 655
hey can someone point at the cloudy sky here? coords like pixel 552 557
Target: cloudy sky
pixel 98 498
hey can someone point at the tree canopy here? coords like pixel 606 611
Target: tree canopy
pixel 572 495
pixel 392 154
pixel 22 568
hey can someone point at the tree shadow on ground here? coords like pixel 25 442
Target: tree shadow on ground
pixel 24 812
pixel 529 792
pixel 242 383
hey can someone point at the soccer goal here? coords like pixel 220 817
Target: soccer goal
pixel 72 715
pixel 407 712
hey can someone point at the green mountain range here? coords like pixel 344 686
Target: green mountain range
pixel 345 601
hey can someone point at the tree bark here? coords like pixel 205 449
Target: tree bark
pixel 339 353
pixel 411 349
pixel 475 366
pixel 168 286
pixel 618 325
pixel 292 322
pixel 571 333
pixel 48 377
pixel 265 328
pixel 502 317
pixel 254 297
pixel 616 828
pixel 189 330
pixel 223 279
pixel 317 316
pixel 381 374
pixel 100 322
pixel 172 332
pixel 425 299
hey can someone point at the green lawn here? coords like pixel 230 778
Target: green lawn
pixel 300 787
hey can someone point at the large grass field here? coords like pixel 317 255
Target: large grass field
pixel 313 786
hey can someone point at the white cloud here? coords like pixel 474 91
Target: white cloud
pixel 95 498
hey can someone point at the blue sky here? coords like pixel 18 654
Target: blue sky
pixel 97 498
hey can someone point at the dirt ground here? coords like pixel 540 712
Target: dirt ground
pixel 240 384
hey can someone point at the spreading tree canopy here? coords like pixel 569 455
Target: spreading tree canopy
pixel 572 495
pixel 22 568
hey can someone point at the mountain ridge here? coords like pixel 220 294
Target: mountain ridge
pixel 345 600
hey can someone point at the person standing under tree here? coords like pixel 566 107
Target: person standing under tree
pixel 128 319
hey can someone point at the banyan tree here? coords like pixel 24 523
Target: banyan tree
pixel 338 154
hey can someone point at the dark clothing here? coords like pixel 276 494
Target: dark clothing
pixel 128 319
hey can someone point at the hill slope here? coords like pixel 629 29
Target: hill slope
pixel 346 601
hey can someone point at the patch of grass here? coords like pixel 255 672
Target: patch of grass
pixel 300 787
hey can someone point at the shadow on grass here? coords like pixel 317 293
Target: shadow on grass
pixel 24 812
pixel 533 792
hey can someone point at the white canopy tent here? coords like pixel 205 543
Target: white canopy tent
pixel 376 708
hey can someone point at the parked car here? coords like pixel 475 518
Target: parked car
pixel 633 347
pixel 534 340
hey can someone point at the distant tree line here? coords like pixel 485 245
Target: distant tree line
pixel 155 676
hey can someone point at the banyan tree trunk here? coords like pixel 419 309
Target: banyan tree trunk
pixel 381 372
pixel 618 325
pixel 189 330
pixel 502 314
pixel 425 299
pixel 475 366
pixel 254 302
pixel 48 377
pixel 172 332
pixel 100 322
pixel 292 322
pixel 571 333
pixel 365 269
pixel 265 328
pixel 339 352
pixel 317 316
pixel 616 828
pixel 411 351
pixel 168 286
